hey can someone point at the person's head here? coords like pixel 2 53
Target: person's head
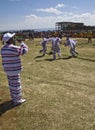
pixel 67 38
pixel 9 38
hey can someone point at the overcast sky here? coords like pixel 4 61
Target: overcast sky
pixel 36 14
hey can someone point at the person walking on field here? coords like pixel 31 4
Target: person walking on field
pixel 72 44
pixel 55 46
pixel 44 45
pixel 11 63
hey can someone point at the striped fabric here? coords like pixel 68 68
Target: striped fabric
pixel 56 46
pixel 15 87
pixel 44 45
pixel 11 58
pixel 12 66
pixel 72 44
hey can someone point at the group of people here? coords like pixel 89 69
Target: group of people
pixel 11 61
pixel 55 46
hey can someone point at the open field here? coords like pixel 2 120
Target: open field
pixel 60 93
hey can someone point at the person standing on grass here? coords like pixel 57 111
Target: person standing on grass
pixel 72 44
pixel 11 63
pixel 44 45
pixel 89 36
pixel 55 46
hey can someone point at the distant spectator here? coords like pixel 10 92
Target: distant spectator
pixel 89 36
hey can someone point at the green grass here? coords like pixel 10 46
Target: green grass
pixel 60 94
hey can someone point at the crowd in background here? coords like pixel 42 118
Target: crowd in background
pixel 31 34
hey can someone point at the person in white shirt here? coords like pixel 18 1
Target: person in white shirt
pixel 44 45
pixel 55 46
pixel 72 44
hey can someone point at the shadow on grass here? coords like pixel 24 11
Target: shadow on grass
pixel 4 107
pixel 61 58
pixel 50 53
pixel 38 56
pixel 44 60
pixel 64 58
pixel 82 58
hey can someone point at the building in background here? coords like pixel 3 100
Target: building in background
pixel 74 29
pixel 68 25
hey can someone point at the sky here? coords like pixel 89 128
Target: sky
pixel 41 14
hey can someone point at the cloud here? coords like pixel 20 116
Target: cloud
pixel 39 22
pixel 59 5
pixel 86 18
pixel 33 21
pixel 54 10
pixel 50 10
pixel 49 21
pixel 31 16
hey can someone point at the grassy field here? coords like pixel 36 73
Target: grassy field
pixel 60 93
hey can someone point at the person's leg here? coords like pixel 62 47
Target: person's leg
pixel 74 49
pixel 42 48
pixel 72 52
pixel 76 52
pixel 44 51
pixel 15 88
pixel 59 52
pixel 54 55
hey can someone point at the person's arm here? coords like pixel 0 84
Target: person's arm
pixel 24 48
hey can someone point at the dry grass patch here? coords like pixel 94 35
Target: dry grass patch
pixel 60 94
